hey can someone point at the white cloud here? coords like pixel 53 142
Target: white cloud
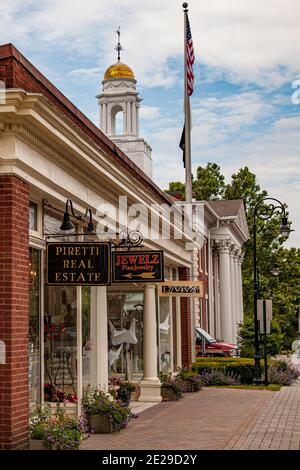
pixel 149 112
pixel 273 156
pixel 247 41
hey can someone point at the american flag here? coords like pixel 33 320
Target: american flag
pixel 190 59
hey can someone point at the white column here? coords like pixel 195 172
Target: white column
pixel 216 294
pixel 133 118
pixel 241 317
pixel 150 384
pixel 104 117
pixel 233 297
pixel 108 119
pixel 211 311
pixel 237 291
pixel 99 353
pixel 128 117
pixel 178 333
pixel 137 119
pixel 225 293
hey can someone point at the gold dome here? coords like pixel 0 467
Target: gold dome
pixel 118 70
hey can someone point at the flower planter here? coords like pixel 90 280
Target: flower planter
pixel 101 424
pixel 190 386
pixel 168 394
pixel 36 444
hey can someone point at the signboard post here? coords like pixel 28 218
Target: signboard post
pixel 137 266
pixel 264 316
pixel 78 263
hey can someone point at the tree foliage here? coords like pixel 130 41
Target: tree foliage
pixel 284 289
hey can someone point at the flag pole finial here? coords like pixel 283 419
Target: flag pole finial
pixel 185 6
pixel 118 47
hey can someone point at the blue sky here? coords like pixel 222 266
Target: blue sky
pixel 247 58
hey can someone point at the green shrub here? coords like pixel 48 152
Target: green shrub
pixel 242 369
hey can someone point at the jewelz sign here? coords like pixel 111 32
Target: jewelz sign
pixel 137 266
pixel 78 263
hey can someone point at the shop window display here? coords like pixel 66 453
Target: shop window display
pixel 165 335
pixel 125 333
pixel 34 325
pixel 60 343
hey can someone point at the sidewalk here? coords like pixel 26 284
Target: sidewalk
pixel 213 419
pixel 276 426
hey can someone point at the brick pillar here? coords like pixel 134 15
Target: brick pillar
pixel 14 259
pixel 187 342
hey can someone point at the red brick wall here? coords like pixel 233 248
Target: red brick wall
pixel 14 259
pixel 186 325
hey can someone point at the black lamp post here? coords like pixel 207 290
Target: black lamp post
pixel 264 210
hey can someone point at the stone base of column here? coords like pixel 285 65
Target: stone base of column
pixel 150 391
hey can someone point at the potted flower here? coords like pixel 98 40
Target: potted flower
pixel 171 389
pixel 190 382
pixel 58 431
pixel 105 414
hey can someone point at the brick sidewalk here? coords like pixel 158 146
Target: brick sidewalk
pixel 213 419
pixel 277 426
pixel 208 419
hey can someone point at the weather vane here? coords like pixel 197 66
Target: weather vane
pixel 118 47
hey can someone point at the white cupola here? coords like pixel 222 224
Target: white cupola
pixel 119 99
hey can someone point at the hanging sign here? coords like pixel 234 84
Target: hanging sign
pixel 137 266
pixel 181 289
pixel 78 263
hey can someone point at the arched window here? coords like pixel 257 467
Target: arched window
pixel 117 120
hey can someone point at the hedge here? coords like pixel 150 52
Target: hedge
pixel 240 368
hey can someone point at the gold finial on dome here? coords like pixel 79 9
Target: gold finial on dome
pixel 118 70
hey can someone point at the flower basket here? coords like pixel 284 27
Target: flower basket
pixel 37 444
pixel 190 386
pixel 101 424
pixel 168 394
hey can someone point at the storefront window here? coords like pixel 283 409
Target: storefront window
pixel 33 216
pixel 34 325
pixel 60 343
pixel 89 353
pixel 125 333
pixel 165 335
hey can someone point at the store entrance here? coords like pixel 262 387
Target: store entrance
pixel 60 343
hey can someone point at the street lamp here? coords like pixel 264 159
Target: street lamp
pixel 264 210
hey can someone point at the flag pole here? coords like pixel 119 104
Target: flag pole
pixel 187 136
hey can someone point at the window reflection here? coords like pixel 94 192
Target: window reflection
pixel 34 325
pixel 165 335
pixel 60 340
pixel 125 333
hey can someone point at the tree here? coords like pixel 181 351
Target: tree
pixel 176 187
pixel 285 289
pixel 210 183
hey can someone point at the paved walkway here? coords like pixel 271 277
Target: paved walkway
pixel 213 419
pixel 276 426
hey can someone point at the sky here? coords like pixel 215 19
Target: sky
pixel 246 100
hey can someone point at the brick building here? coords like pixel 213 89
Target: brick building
pixel 64 337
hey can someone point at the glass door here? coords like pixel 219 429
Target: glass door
pixel 60 344
pixel 34 325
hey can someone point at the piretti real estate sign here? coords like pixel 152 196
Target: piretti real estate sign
pixel 181 289
pixel 137 266
pixel 78 263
